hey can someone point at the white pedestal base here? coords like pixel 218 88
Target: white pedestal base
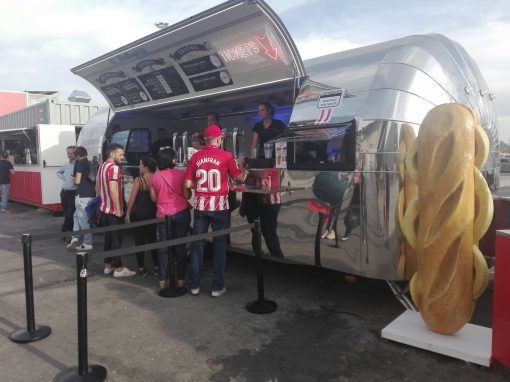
pixel 472 343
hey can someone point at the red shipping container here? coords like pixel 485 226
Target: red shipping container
pixel 12 101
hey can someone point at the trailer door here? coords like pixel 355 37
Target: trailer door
pixel 238 45
pixel 53 140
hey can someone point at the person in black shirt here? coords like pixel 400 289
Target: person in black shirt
pixel 140 207
pixel 85 192
pixel 267 129
pixel 6 170
pixel 163 142
pixel 266 208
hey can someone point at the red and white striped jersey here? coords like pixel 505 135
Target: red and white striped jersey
pixel 108 172
pixel 275 198
pixel 268 183
pixel 209 170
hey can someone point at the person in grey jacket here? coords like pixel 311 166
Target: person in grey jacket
pixel 68 193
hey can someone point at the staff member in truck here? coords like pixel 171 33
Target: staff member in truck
pixel 163 142
pixel 208 173
pixel 268 128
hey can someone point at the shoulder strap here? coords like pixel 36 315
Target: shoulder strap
pixel 143 183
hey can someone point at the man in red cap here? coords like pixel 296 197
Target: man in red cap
pixel 208 173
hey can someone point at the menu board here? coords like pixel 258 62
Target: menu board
pixel 133 91
pixel 201 65
pixel 211 80
pixel 114 94
pixel 163 83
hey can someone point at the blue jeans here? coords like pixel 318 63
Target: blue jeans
pixel 81 218
pixel 218 220
pixel 5 195
pixel 179 227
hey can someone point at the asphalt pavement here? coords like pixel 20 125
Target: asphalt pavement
pixel 325 328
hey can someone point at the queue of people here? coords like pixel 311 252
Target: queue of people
pixel 160 191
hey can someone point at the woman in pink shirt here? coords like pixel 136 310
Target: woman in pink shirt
pixel 167 193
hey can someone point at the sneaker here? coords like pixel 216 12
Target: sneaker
pixel 124 273
pixel 3 210
pixel 108 270
pixel 144 272
pixel 331 235
pixel 346 235
pixel 323 236
pixel 72 244
pixel 218 293
pixel 194 291
pixel 84 247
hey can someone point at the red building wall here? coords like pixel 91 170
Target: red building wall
pixel 12 101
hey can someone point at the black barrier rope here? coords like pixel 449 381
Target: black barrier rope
pixel 172 242
pixel 32 332
pixel 97 373
pixel 39 236
pixel 84 371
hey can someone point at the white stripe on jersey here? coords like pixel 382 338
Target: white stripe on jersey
pixel 105 191
pixel 274 198
pixel 105 188
pixel 211 203
pixel 115 172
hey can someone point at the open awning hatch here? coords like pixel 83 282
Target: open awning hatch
pixel 237 45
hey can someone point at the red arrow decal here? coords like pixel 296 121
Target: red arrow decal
pixel 318 121
pixel 328 116
pixel 267 44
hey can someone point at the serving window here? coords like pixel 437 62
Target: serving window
pixel 139 141
pixel 322 149
pixel 21 145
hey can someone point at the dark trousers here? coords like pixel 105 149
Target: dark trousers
pixel 68 207
pixel 179 227
pixel 112 240
pixel 145 235
pixel 268 214
pixel 202 220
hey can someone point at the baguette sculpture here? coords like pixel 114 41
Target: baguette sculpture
pixel 450 214
pixel 408 191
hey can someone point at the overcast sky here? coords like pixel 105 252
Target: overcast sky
pixel 40 40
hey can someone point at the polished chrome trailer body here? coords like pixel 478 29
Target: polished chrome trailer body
pixel 360 97
pixel 387 85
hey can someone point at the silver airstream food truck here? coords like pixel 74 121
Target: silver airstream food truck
pixel 344 113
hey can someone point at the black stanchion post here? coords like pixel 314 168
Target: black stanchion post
pixel 261 305
pixel 173 290
pixel 84 371
pixel 32 332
